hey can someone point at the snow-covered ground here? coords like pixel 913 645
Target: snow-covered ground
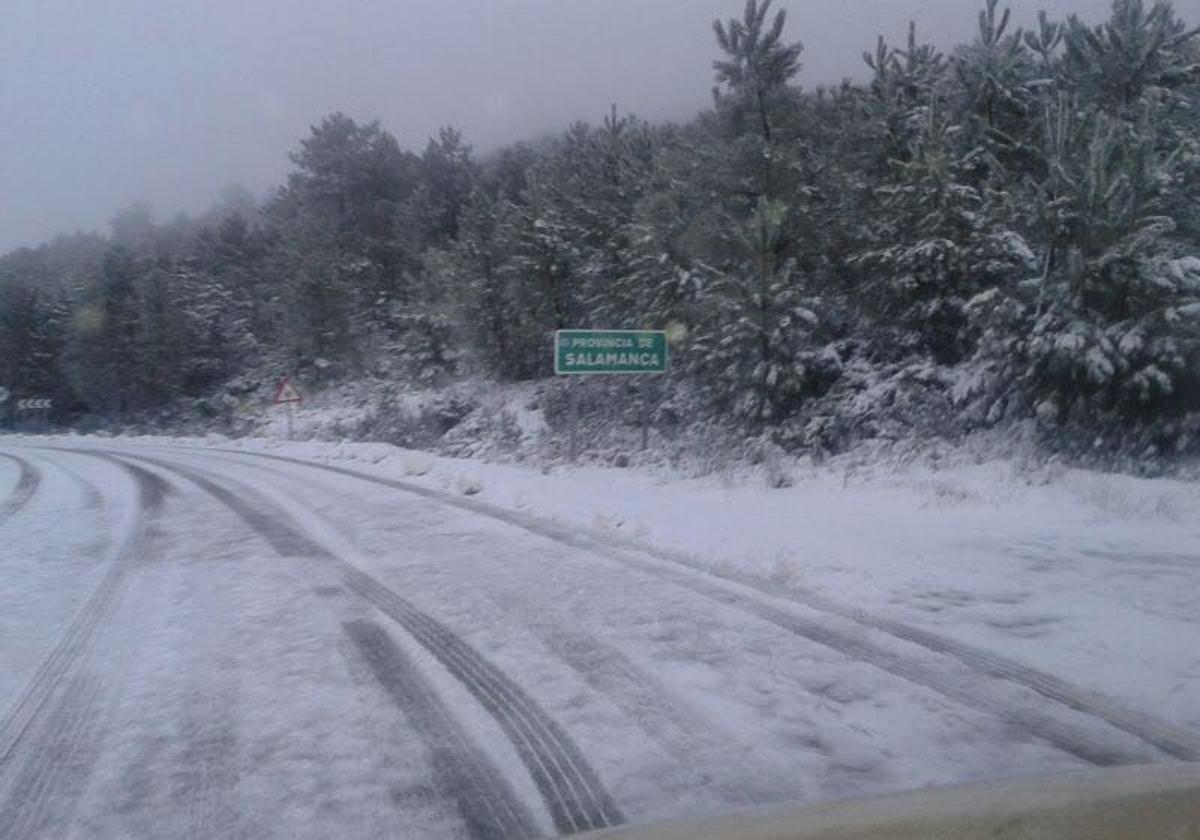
pixel 330 639
pixel 1089 576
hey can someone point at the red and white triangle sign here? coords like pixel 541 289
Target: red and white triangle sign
pixel 287 393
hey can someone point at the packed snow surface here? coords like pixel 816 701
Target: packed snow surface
pixel 1088 575
pixel 703 643
pixel 1091 576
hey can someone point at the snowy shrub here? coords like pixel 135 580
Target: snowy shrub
pixel 424 344
pixel 416 465
pixel 786 571
pixel 508 433
pixel 468 485
pixel 775 468
pixel 414 423
pixel 1136 379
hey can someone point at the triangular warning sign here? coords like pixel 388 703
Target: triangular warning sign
pixel 287 392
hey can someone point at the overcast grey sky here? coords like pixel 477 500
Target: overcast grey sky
pixel 103 102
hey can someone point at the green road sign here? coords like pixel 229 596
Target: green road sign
pixel 610 351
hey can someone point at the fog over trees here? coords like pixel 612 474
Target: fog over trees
pixel 1006 231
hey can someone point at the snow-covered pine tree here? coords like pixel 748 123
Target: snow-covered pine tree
pixel 102 351
pixel 902 83
pixel 543 247
pixel 338 261
pixel 445 178
pixel 995 77
pixel 33 322
pixel 1104 341
pixel 469 272
pixel 1135 50
pixel 760 333
pixel 939 238
pixel 754 246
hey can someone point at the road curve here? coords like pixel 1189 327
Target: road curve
pixel 50 719
pixel 278 648
pixel 28 479
pixel 569 786
pixel 1169 738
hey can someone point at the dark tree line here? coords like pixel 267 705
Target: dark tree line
pixel 1017 220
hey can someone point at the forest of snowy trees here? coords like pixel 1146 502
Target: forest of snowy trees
pixel 1006 231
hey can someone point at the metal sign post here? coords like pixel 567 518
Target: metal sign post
pixel 288 396
pixel 592 352
pixel 645 389
pixel 573 389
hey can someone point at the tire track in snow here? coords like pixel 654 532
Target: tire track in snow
pixel 1176 741
pixel 486 802
pixel 572 790
pixel 41 799
pixel 203 781
pixel 48 739
pixel 690 738
pixel 28 479
pixel 1163 737
pixel 676 727
pixel 92 498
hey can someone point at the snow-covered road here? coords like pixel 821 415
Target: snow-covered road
pixel 201 642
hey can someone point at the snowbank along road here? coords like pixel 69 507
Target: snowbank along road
pixel 207 643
